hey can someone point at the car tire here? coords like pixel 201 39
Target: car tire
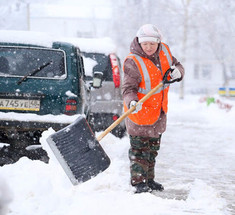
pixel 119 132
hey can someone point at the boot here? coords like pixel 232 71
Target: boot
pixel 142 188
pixel 155 185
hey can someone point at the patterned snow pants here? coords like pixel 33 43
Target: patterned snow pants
pixel 142 156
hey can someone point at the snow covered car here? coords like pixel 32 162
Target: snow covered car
pixel 41 86
pixel 106 105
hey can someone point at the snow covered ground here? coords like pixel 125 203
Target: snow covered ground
pixel 195 165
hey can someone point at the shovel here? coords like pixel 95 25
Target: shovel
pixel 78 150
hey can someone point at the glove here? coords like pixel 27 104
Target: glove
pixel 175 74
pixel 138 106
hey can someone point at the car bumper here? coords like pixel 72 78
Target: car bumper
pixel 34 122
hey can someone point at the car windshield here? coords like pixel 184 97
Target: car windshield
pixel 100 63
pixel 18 61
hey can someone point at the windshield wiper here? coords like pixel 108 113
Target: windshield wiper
pixel 33 72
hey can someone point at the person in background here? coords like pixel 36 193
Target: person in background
pixel 144 69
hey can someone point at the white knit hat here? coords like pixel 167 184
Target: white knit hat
pixel 149 33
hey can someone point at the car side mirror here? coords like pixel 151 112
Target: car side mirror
pixel 97 79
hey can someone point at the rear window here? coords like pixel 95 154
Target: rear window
pixel 20 61
pixel 96 62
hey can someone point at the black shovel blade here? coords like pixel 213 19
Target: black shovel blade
pixel 77 150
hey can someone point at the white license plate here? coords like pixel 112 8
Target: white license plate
pixel 19 104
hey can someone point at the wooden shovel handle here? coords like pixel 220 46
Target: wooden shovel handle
pixel 122 117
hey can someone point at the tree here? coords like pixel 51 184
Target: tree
pixel 220 33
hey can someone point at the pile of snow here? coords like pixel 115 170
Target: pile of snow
pixel 26 117
pixel 27 37
pixel 89 64
pixel 101 45
pixel 41 188
pixel 6 195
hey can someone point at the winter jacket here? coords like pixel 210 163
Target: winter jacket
pixel 130 88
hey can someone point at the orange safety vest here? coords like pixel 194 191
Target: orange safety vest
pixel 151 77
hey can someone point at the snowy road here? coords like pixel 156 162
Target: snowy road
pixel 198 154
pixel 195 165
pixel 199 145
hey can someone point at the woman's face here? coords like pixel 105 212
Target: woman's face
pixel 149 47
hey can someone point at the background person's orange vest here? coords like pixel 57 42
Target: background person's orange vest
pixel 151 77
